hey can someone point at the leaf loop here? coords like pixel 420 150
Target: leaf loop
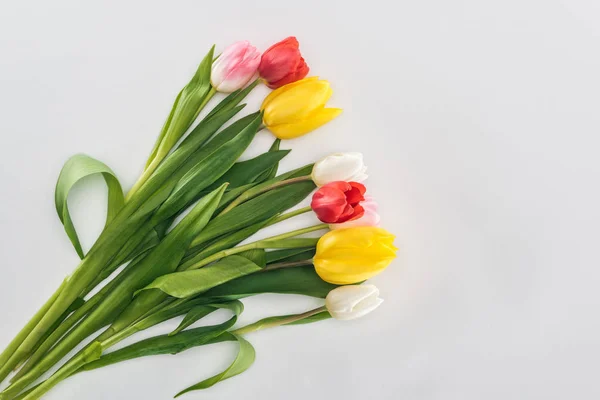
pixel 75 169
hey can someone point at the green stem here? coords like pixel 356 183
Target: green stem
pixel 63 328
pixel 162 152
pixel 288 215
pixel 289 264
pixel 260 244
pixel 253 192
pixel 11 351
pixel 87 355
pixel 270 323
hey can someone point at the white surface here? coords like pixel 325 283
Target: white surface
pixel 478 120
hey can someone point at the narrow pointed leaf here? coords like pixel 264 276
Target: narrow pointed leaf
pixel 256 210
pixel 185 110
pixel 199 312
pixel 165 344
pixel 271 172
pixel 297 280
pixel 248 171
pixel 190 283
pixel 207 171
pixel 244 359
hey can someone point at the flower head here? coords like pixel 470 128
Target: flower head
pixel 338 202
pixel 282 63
pixel 353 301
pixel 339 167
pixel 346 256
pixel 235 67
pixel 297 108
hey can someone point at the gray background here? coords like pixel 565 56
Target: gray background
pixel 479 123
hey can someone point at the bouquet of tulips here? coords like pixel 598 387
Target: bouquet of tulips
pixel 194 265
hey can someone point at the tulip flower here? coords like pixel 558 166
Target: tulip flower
pixel 339 167
pixel 338 202
pixel 282 63
pixel 353 301
pixel 346 256
pixel 370 216
pixel 297 108
pixel 235 67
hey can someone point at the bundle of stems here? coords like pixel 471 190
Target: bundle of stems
pixel 191 268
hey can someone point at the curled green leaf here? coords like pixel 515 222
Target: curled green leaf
pixel 244 359
pixel 75 169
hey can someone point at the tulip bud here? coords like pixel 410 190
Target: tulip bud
pixel 297 108
pixel 339 167
pixel 346 256
pixel 235 67
pixel 282 63
pixel 354 301
pixel 338 202
pixel 370 216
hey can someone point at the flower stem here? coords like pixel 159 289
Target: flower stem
pixel 272 323
pixel 255 191
pixel 289 264
pixel 162 152
pixel 260 244
pixel 11 357
pixel 289 215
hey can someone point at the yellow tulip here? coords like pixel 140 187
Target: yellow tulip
pixel 353 255
pixel 298 108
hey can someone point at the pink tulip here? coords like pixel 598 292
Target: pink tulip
pixel 369 218
pixel 235 67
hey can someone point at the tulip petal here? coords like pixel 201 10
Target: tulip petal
pixel 297 104
pixel 369 218
pixel 328 203
pixel 283 89
pixel 339 167
pixel 355 194
pixel 293 130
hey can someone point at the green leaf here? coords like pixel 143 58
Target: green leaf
pixel 271 172
pixel 165 344
pixel 74 170
pixel 162 259
pixel 192 316
pixel 256 210
pixel 164 129
pixel 187 105
pixel 233 99
pixel 231 195
pixel 257 256
pixel 199 312
pixel 190 283
pixel 297 254
pixel 222 243
pixel 243 361
pixel 248 171
pixel 297 280
pixel 218 161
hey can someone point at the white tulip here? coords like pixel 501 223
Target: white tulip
pixel 352 301
pixel 347 167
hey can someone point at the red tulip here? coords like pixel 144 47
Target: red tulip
pixel 282 63
pixel 339 202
